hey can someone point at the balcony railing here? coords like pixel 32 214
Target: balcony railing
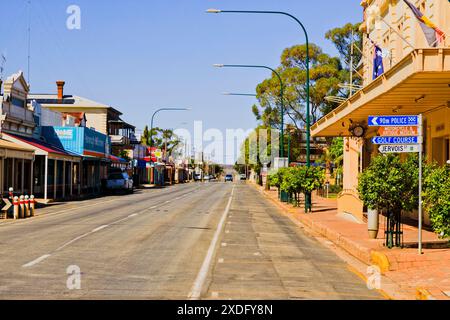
pixel 18 112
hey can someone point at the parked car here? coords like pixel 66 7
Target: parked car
pixel 207 178
pixel 197 177
pixel 243 177
pixel 229 178
pixel 119 181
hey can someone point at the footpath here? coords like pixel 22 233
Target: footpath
pixel 414 276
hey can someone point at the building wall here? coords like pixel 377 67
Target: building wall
pixel 403 24
pixel 95 118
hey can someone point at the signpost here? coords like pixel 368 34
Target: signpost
pixel 409 148
pixel 396 140
pixel 401 134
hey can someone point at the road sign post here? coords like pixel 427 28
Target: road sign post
pixel 402 134
pixel 420 122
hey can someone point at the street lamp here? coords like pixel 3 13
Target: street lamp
pixel 281 92
pixel 153 119
pixel 308 116
pixel 239 94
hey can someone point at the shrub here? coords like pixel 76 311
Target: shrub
pixel 437 199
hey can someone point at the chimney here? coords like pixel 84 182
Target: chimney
pixel 60 85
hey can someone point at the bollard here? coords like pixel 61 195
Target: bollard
pixel 11 194
pixel 32 205
pixel 27 206
pixel 16 208
pixel 22 207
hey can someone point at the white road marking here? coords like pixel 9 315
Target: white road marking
pixel 215 295
pixel 227 232
pixel 38 260
pixel 100 228
pixel 221 260
pixel 224 244
pixel 203 273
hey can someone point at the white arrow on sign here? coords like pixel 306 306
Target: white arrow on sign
pixel 375 121
pixel 410 148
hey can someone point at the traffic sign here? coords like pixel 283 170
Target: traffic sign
pixel 398 131
pixel 396 140
pixel 7 206
pixel 393 121
pixel 410 148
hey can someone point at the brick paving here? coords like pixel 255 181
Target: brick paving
pixel 413 273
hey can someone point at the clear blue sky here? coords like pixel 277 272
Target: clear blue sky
pixel 138 55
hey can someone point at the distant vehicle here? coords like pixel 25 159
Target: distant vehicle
pixel 243 177
pixel 207 178
pixel 197 177
pixel 119 181
pixel 229 178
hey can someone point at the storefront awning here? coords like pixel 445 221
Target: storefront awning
pixel 115 159
pixel 418 84
pixel 42 148
pixel 12 150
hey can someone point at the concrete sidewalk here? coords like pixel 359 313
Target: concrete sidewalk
pixel 426 276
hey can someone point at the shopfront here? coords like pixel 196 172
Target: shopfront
pixel 16 166
pixel 93 148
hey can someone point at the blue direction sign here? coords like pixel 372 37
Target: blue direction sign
pixel 396 140
pixel 393 121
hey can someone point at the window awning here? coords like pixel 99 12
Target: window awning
pixel 418 84
pixel 42 148
pixel 12 150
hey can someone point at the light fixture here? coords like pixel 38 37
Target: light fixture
pixel 358 131
pixel 397 109
pixel 420 98
pixel 213 11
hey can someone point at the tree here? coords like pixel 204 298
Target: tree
pixel 325 74
pixel 343 38
pixel 437 199
pixel 390 185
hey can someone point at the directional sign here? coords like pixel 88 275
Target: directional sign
pixel 412 148
pixel 7 205
pixel 398 131
pixel 396 140
pixel 393 121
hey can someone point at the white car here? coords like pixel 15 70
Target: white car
pixel 119 181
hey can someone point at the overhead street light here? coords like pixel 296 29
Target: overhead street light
pixel 281 92
pixel 152 122
pixel 308 108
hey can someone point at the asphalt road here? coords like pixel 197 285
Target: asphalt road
pixel 194 241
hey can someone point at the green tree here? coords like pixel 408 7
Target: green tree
pixel 325 74
pixel 390 185
pixel 343 38
pixel 437 199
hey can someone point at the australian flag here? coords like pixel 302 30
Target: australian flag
pixel 378 68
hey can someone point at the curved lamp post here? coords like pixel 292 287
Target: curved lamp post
pixel 152 122
pixel 281 93
pixel 308 116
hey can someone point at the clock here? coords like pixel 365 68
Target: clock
pixel 358 131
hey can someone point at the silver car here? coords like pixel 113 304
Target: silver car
pixel 119 181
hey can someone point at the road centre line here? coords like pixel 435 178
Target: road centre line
pixel 197 287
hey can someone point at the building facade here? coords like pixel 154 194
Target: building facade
pixel 416 80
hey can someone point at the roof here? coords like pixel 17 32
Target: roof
pixel 418 84
pixel 117 159
pixel 13 146
pixel 42 145
pixel 68 100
